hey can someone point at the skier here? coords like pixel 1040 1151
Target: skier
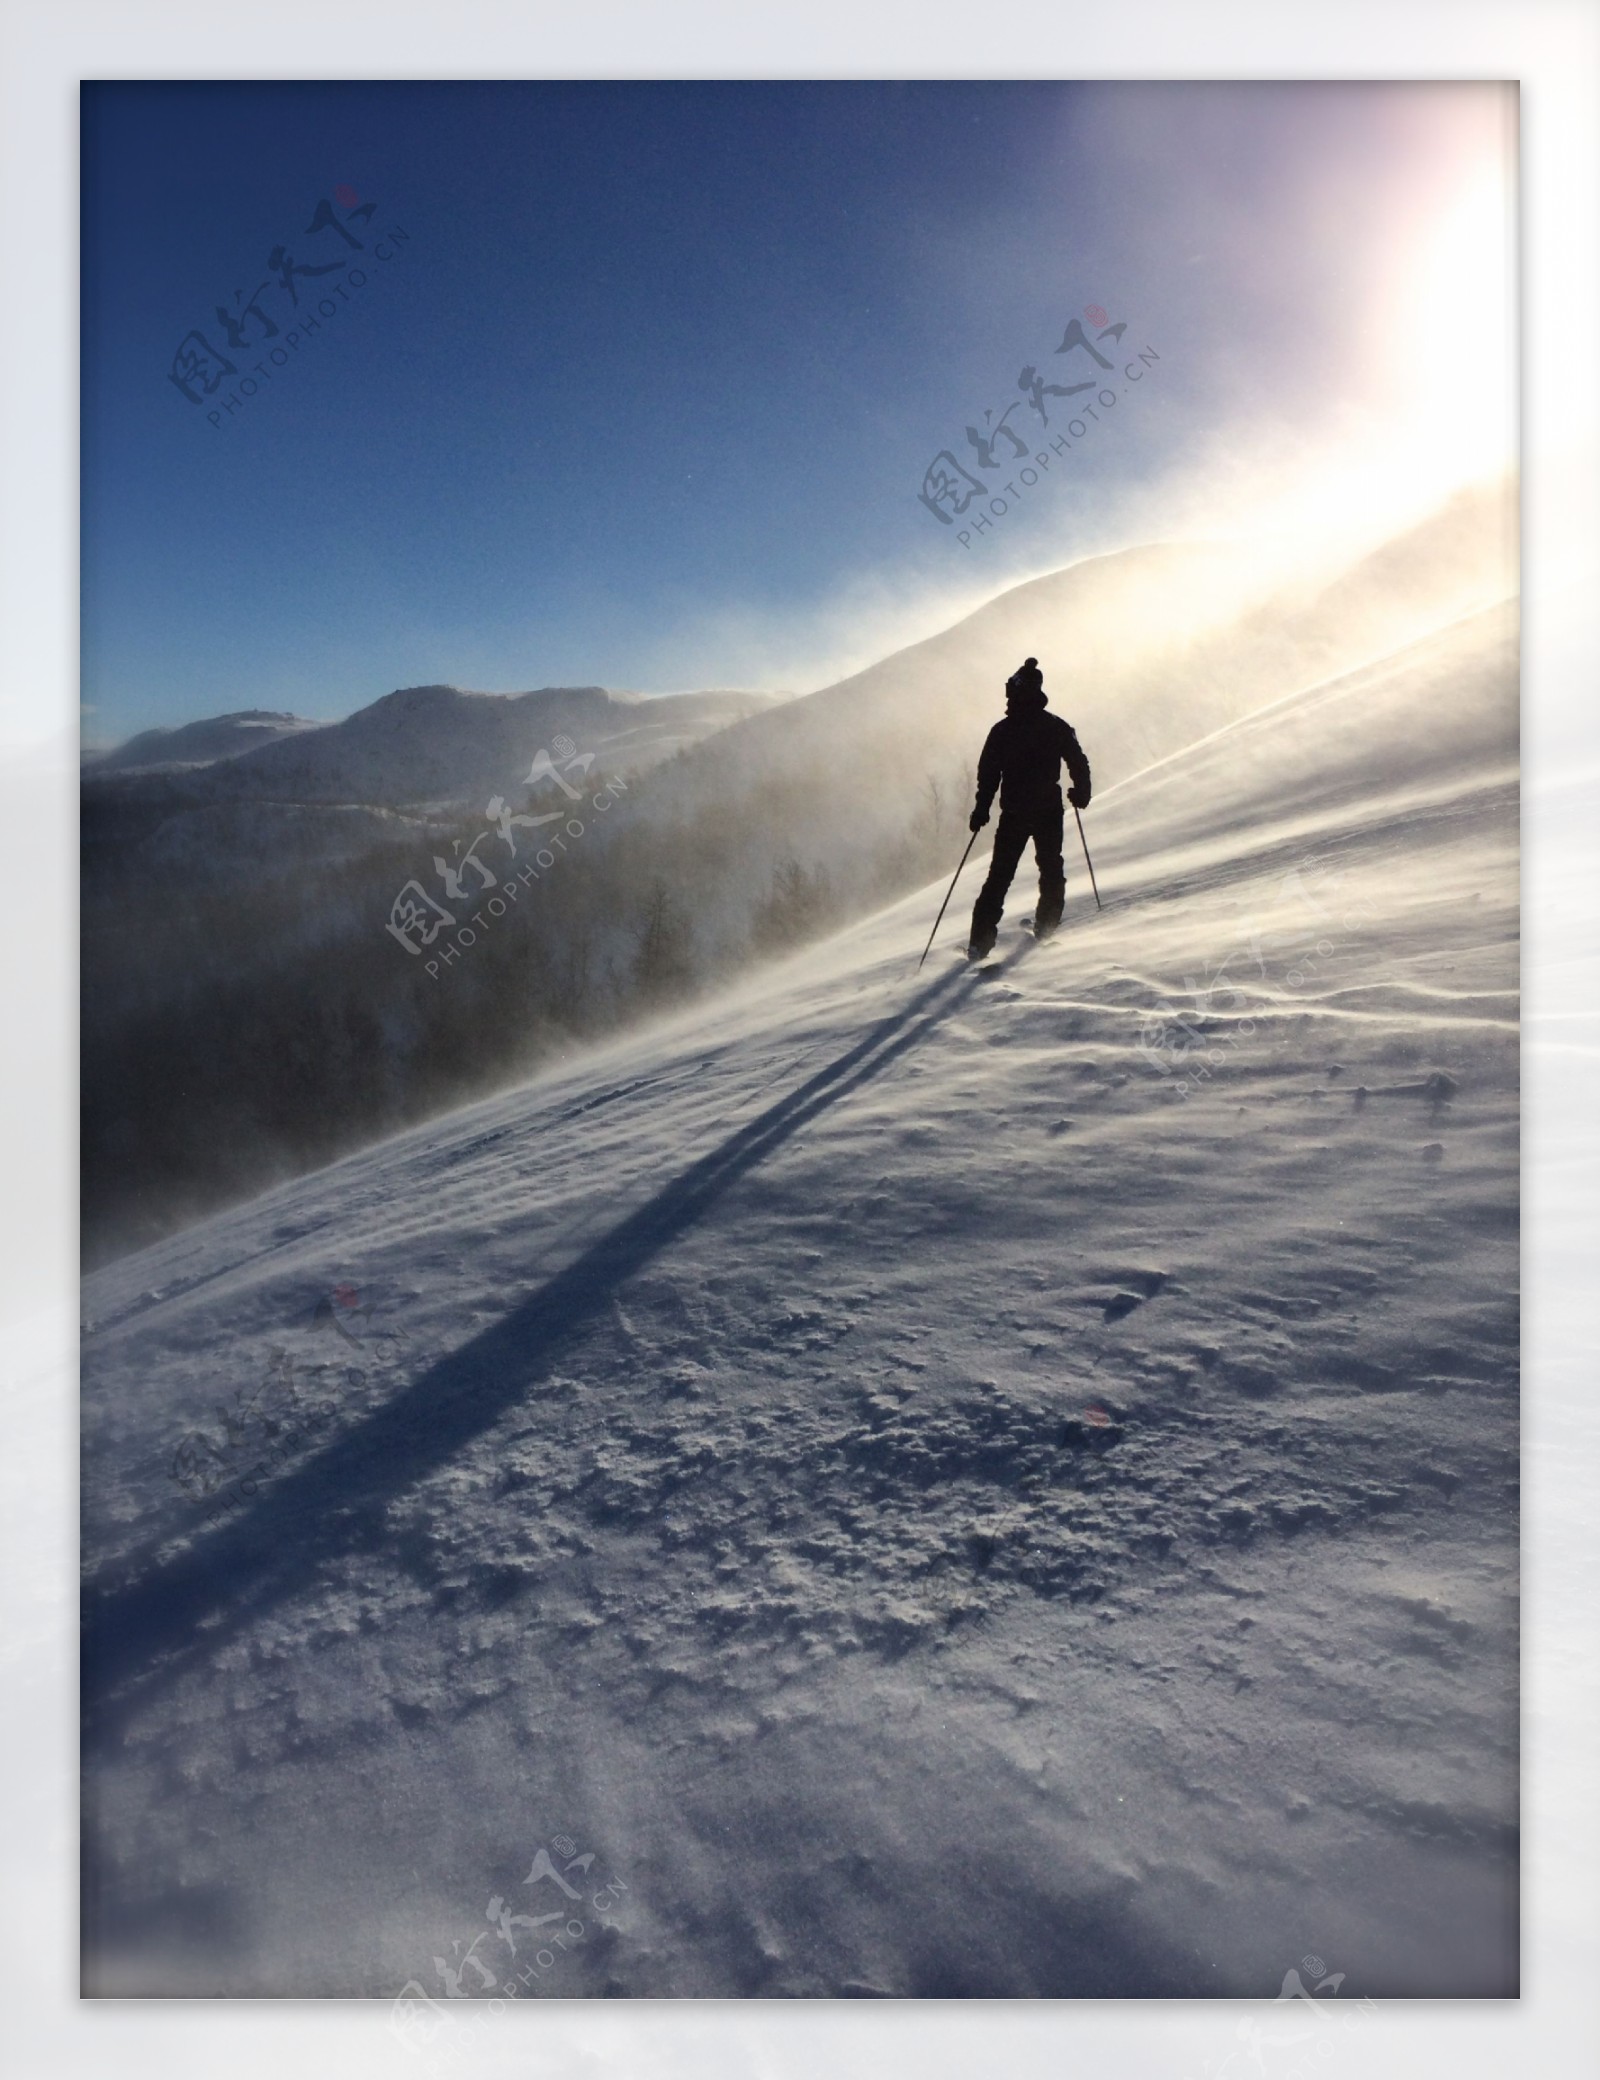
pixel 1022 757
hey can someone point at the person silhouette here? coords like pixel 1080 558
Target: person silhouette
pixel 1022 757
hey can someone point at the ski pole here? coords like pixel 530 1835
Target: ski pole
pixel 949 892
pixel 1088 862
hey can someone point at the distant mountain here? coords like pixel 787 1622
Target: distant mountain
pixel 201 743
pixel 422 749
pixel 433 744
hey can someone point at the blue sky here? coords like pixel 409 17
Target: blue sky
pixel 646 396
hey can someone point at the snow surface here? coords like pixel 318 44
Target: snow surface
pixel 975 1482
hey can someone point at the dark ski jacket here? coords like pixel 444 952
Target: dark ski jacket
pixel 1022 756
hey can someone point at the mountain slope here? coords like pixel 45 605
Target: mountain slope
pixel 202 743
pixel 1144 651
pixel 984 1483
pixel 425 744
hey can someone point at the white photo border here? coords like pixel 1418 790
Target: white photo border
pixel 1553 48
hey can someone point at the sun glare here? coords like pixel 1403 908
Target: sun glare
pixel 1442 413
pixel 1455 333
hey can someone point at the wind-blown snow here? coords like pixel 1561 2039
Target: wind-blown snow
pixel 989 1482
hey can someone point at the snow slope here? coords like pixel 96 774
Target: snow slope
pixel 1144 650
pixel 979 1482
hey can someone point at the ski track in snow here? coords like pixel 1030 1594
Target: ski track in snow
pixel 936 1509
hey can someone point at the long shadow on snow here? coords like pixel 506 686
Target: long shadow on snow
pixel 140 1636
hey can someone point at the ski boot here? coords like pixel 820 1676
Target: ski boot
pixel 1045 923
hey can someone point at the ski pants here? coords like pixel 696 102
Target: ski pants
pixel 1043 822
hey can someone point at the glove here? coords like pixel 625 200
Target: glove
pixel 977 820
pixel 1078 801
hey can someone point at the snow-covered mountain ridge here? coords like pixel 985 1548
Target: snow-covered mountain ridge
pixel 199 743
